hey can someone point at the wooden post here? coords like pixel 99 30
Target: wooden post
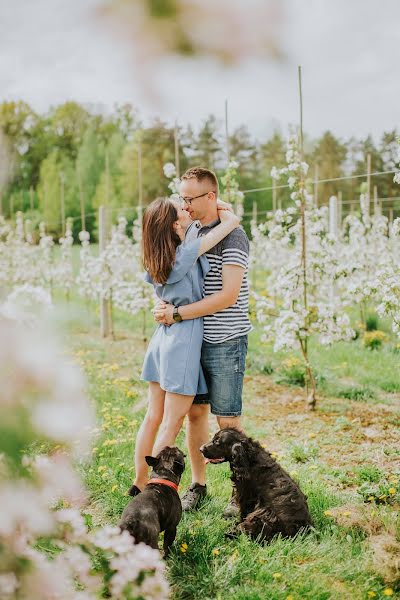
pixel 376 201
pixel 81 199
pixel 333 216
pixel 104 304
pixel 340 210
pixel 107 198
pixel 176 144
pixel 255 212
pixel 369 181
pixel 254 220
pixel 140 177
pixel 31 197
pixel 140 215
pixel 62 203
pixel 316 169
pixel 310 380
pixel 274 195
pixel 228 156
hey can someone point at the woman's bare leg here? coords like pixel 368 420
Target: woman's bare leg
pixel 147 433
pixel 176 407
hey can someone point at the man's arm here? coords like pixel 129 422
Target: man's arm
pixel 232 277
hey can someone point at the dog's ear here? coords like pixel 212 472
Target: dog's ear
pixel 240 462
pixel 151 461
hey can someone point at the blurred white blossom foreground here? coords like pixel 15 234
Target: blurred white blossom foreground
pixel 43 402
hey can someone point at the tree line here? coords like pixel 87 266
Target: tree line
pixel 84 158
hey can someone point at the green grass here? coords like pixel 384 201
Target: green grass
pixel 322 451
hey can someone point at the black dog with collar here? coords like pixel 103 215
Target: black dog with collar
pixel 158 508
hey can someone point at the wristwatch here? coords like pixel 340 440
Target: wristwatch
pixel 176 316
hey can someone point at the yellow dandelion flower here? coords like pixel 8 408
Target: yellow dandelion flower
pixel 370 498
pixel 392 491
pixel 215 552
pixel 346 513
pixel 111 442
pixel 101 468
pixel 184 547
pixel 312 435
pixel 114 487
pixel 290 597
pixel 277 575
pixel 328 513
pixel 388 592
pixel 371 594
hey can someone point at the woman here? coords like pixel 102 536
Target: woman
pixel 172 363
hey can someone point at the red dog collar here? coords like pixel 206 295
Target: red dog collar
pixel 164 482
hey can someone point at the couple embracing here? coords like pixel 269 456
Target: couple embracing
pixel 196 256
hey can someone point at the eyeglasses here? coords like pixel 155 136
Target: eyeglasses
pixel 190 200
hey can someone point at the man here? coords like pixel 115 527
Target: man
pixel 226 325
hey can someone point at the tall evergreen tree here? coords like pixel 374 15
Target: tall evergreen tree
pixel 330 155
pixel 208 147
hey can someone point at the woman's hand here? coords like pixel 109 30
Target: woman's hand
pixel 221 205
pixel 226 216
pixel 163 313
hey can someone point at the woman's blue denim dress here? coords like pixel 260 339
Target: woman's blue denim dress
pixel 173 355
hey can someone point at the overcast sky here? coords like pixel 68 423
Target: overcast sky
pixel 56 50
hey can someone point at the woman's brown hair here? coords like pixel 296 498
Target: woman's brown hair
pixel 159 239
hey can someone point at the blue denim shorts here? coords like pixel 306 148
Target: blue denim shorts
pixel 223 365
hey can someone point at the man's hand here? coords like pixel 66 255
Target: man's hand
pixel 163 313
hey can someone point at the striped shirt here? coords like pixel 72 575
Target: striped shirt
pixel 231 322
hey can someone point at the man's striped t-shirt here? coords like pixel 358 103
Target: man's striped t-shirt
pixel 231 322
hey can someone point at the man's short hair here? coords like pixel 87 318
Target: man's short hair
pixel 200 175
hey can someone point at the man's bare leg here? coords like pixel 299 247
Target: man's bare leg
pixel 229 422
pixel 197 435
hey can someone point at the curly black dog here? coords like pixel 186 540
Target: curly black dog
pixel 158 508
pixel 271 503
